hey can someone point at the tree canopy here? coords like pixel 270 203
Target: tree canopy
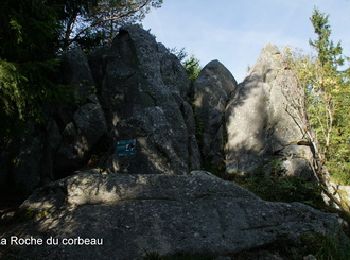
pixel 33 32
pixel 28 33
pixel 91 22
pixel 327 87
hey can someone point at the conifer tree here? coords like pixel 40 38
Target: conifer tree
pixel 327 90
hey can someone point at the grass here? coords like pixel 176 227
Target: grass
pixel 282 189
pixel 322 247
pixel 274 186
pixel 326 247
pixel 156 256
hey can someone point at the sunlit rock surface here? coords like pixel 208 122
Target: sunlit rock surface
pixel 138 214
pixel 264 121
pixel 212 91
pixel 144 93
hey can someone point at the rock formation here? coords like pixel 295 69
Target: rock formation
pixel 264 121
pixel 139 214
pixel 136 89
pixel 150 200
pixel 65 144
pixel 80 127
pixel 212 91
pixel 144 92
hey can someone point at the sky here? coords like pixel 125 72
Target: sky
pixel 235 31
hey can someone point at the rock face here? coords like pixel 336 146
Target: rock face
pixel 150 200
pixel 212 91
pixel 81 126
pixel 65 144
pixel 139 214
pixel 264 121
pixel 136 89
pixel 144 92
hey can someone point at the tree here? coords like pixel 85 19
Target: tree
pixel 324 111
pixel 28 31
pixel 99 20
pixel 190 63
pixel 68 12
pixel 328 54
pixel 192 67
pixel 327 101
pixel 32 32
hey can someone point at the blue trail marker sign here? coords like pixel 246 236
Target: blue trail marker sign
pixel 126 147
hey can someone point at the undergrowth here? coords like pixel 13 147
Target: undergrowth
pixel 283 189
pixel 156 256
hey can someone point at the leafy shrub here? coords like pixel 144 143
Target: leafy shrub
pixel 340 171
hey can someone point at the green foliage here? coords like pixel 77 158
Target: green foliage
pixel 191 64
pixel 326 247
pixel 327 92
pixel 323 247
pixel 152 256
pixel 28 33
pixel 181 54
pixel 32 33
pixel 282 189
pixel 276 166
pixel 95 22
pixel 28 29
pixel 156 256
pixel 327 52
pixel 29 214
pixel 11 96
pixel 340 171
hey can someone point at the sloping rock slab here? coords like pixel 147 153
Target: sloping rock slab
pixel 139 214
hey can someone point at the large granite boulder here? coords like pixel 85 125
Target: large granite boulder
pixel 79 136
pixel 136 89
pixel 139 214
pixel 81 124
pixel 75 71
pixel 212 91
pixel 144 91
pixel 265 121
